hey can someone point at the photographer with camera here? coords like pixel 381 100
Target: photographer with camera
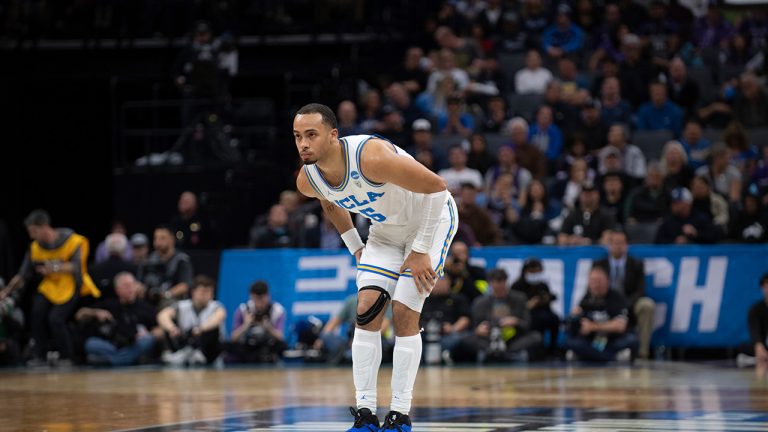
pixel 167 274
pixel 501 325
pixel 446 319
pixel 122 329
pixel 533 283
pixel 597 328
pixel 466 279
pixel 194 328
pixel 259 334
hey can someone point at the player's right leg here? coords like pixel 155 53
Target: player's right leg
pixel 376 280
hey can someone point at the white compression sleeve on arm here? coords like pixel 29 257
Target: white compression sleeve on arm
pixel 353 241
pixel 433 207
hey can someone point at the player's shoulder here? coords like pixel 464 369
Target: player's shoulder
pixel 302 183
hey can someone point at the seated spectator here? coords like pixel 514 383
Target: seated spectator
pixel 632 158
pixel 346 114
pixel 648 203
pixel 168 274
pixel 512 39
pixel 696 146
pixel 614 109
pixel 757 320
pixel 575 149
pixel 411 74
pixel 589 223
pixel 750 223
pixel 573 87
pixel 421 141
pixel 507 164
pixel 674 166
pixel 533 221
pixel 744 155
pixel 528 156
pixel 724 177
pixel 751 104
pixel 682 225
pixel 456 120
pixel 627 277
pixel 459 173
pixel 102 254
pixel 635 72
pixel 392 126
pixel 660 113
pixel 567 190
pixel 140 247
pixel 434 103
pixel 536 18
pixel 191 228
pixel 502 201
pixel 445 319
pixel 657 32
pixel 610 160
pixel 259 328
pixel 598 327
pixel 593 130
pixel 712 30
pixel 275 233
pixel 682 91
pixel 477 217
pixel 533 283
pixel 467 280
pixel 103 274
pixel 194 328
pixel 122 329
pixel 370 111
pixel 545 135
pixel 607 38
pixel 335 340
pixel 613 196
pixel 501 324
pixel 533 78
pixel 717 112
pixel 11 330
pixel 710 204
pixel 563 37
pixel 565 115
pixel 446 67
pixel 496 115
pixel 398 96
pixel 479 158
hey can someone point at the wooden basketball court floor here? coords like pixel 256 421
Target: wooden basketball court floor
pixel 656 396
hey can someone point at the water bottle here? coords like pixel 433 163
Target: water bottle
pixel 432 352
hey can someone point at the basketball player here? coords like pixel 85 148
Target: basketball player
pixel 414 219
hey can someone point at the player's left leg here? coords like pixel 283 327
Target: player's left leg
pixel 406 311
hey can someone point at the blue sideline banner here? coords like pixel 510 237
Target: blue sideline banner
pixel 702 293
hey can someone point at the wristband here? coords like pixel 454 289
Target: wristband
pixel 353 241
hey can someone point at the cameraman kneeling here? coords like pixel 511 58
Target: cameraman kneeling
pixel 194 327
pixel 259 328
pixel 123 329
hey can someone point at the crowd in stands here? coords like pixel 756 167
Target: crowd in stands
pixel 551 123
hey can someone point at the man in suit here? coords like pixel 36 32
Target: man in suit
pixel 627 276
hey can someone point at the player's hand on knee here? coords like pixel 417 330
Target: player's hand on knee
pixel 421 269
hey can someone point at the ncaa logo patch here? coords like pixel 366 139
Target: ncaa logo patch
pixel 355 175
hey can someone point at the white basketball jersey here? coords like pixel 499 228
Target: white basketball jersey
pixel 383 203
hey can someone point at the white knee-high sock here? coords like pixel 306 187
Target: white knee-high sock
pixel 366 359
pixel 405 366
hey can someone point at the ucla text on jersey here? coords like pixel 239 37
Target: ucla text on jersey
pixel 379 202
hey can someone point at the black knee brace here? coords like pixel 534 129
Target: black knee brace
pixel 381 302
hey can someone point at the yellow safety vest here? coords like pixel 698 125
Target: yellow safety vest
pixel 59 287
